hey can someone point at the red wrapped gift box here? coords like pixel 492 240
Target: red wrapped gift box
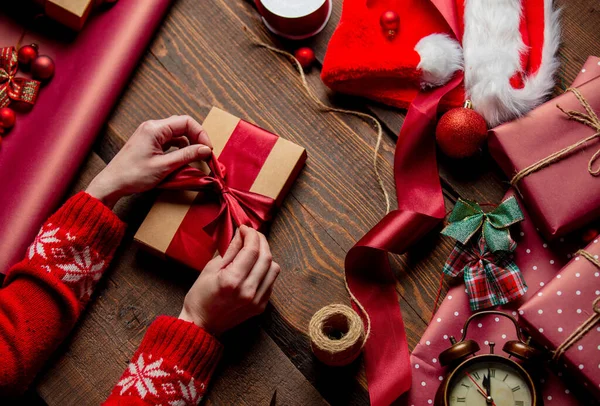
pixel 562 307
pixel 564 195
pixel 198 213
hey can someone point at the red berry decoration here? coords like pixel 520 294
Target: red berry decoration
pixel 42 68
pixel 305 56
pixel 27 55
pixel 7 118
pixel 390 23
pixel 461 132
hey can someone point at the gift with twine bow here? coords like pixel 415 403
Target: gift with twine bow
pixel 551 156
pixel 565 317
pixel 14 88
pixel 481 253
pixel 247 177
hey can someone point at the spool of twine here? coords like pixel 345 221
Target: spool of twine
pixel 337 335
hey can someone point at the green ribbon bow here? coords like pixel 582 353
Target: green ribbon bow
pixel 467 218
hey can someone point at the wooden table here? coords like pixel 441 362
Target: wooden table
pixel 201 58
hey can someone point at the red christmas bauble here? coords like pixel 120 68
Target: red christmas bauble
pixel 461 132
pixel 8 118
pixel 27 54
pixel 305 56
pixel 390 20
pixel 42 68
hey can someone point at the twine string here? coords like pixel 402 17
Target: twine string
pixel 327 108
pixel 587 325
pixel 590 119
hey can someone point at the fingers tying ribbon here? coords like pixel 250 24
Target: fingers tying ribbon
pixel 237 206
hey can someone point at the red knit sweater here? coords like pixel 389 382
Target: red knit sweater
pixel 44 295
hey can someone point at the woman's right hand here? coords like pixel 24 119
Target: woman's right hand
pixel 235 287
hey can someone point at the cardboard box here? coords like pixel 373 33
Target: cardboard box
pixel 277 163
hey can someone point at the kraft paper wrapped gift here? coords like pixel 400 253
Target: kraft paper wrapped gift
pixel 564 195
pixel 191 223
pixel 565 315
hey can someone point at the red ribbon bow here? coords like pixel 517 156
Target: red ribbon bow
pixel 11 87
pixel 237 206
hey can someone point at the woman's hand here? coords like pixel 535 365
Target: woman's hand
pixel 235 287
pixel 142 163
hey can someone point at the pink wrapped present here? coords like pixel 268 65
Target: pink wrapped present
pixel 565 317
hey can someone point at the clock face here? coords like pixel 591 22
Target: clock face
pixel 489 383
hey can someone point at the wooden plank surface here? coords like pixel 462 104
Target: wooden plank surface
pixel 201 57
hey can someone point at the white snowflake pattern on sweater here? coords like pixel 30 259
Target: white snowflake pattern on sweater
pixel 46 236
pixel 143 379
pixel 142 376
pixel 84 269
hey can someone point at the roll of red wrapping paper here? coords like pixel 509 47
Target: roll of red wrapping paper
pixel 295 19
pixel 43 152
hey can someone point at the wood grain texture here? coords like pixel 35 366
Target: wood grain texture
pixel 200 58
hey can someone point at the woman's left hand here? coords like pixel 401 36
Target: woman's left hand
pixel 142 163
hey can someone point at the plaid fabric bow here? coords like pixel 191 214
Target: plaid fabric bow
pixel 11 87
pixel 491 279
pixel 468 217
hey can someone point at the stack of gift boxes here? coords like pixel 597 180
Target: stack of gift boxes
pixel 550 157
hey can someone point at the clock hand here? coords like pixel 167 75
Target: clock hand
pixel 479 388
pixel 487 383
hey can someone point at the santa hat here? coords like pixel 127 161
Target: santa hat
pixel 507 53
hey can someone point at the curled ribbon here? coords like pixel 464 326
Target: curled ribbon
pixel 11 87
pixel 468 217
pixel 237 206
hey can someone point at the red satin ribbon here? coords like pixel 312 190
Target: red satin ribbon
pixel 370 278
pixel 236 206
pixel 11 87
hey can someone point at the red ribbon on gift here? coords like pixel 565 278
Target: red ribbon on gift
pixel 11 87
pixel 236 206
pixel 420 209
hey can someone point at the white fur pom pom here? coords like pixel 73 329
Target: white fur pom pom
pixel 441 56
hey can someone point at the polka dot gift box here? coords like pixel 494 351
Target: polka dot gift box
pixel 565 317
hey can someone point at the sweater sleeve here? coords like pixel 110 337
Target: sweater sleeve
pixel 44 294
pixel 172 366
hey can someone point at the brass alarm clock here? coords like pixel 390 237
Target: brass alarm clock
pixel 487 379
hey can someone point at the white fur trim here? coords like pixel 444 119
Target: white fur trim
pixel 441 56
pixel 492 44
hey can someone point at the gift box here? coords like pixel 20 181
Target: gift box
pixel 250 174
pixel 549 157
pixel 564 316
pixel 72 13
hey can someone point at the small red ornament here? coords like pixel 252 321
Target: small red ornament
pixel 461 132
pixel 305 56
pixel 27 55
pixel 42 68
pixel 7 118
pixel 589 235
pixel 390 22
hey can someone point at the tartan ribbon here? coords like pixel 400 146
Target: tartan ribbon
pixel 467 218
pixel 491 279
pixel 14 88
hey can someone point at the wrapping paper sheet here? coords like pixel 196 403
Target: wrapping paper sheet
pixel 43 152
pixel 566 303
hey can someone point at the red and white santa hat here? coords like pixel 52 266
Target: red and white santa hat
pixel 507 52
